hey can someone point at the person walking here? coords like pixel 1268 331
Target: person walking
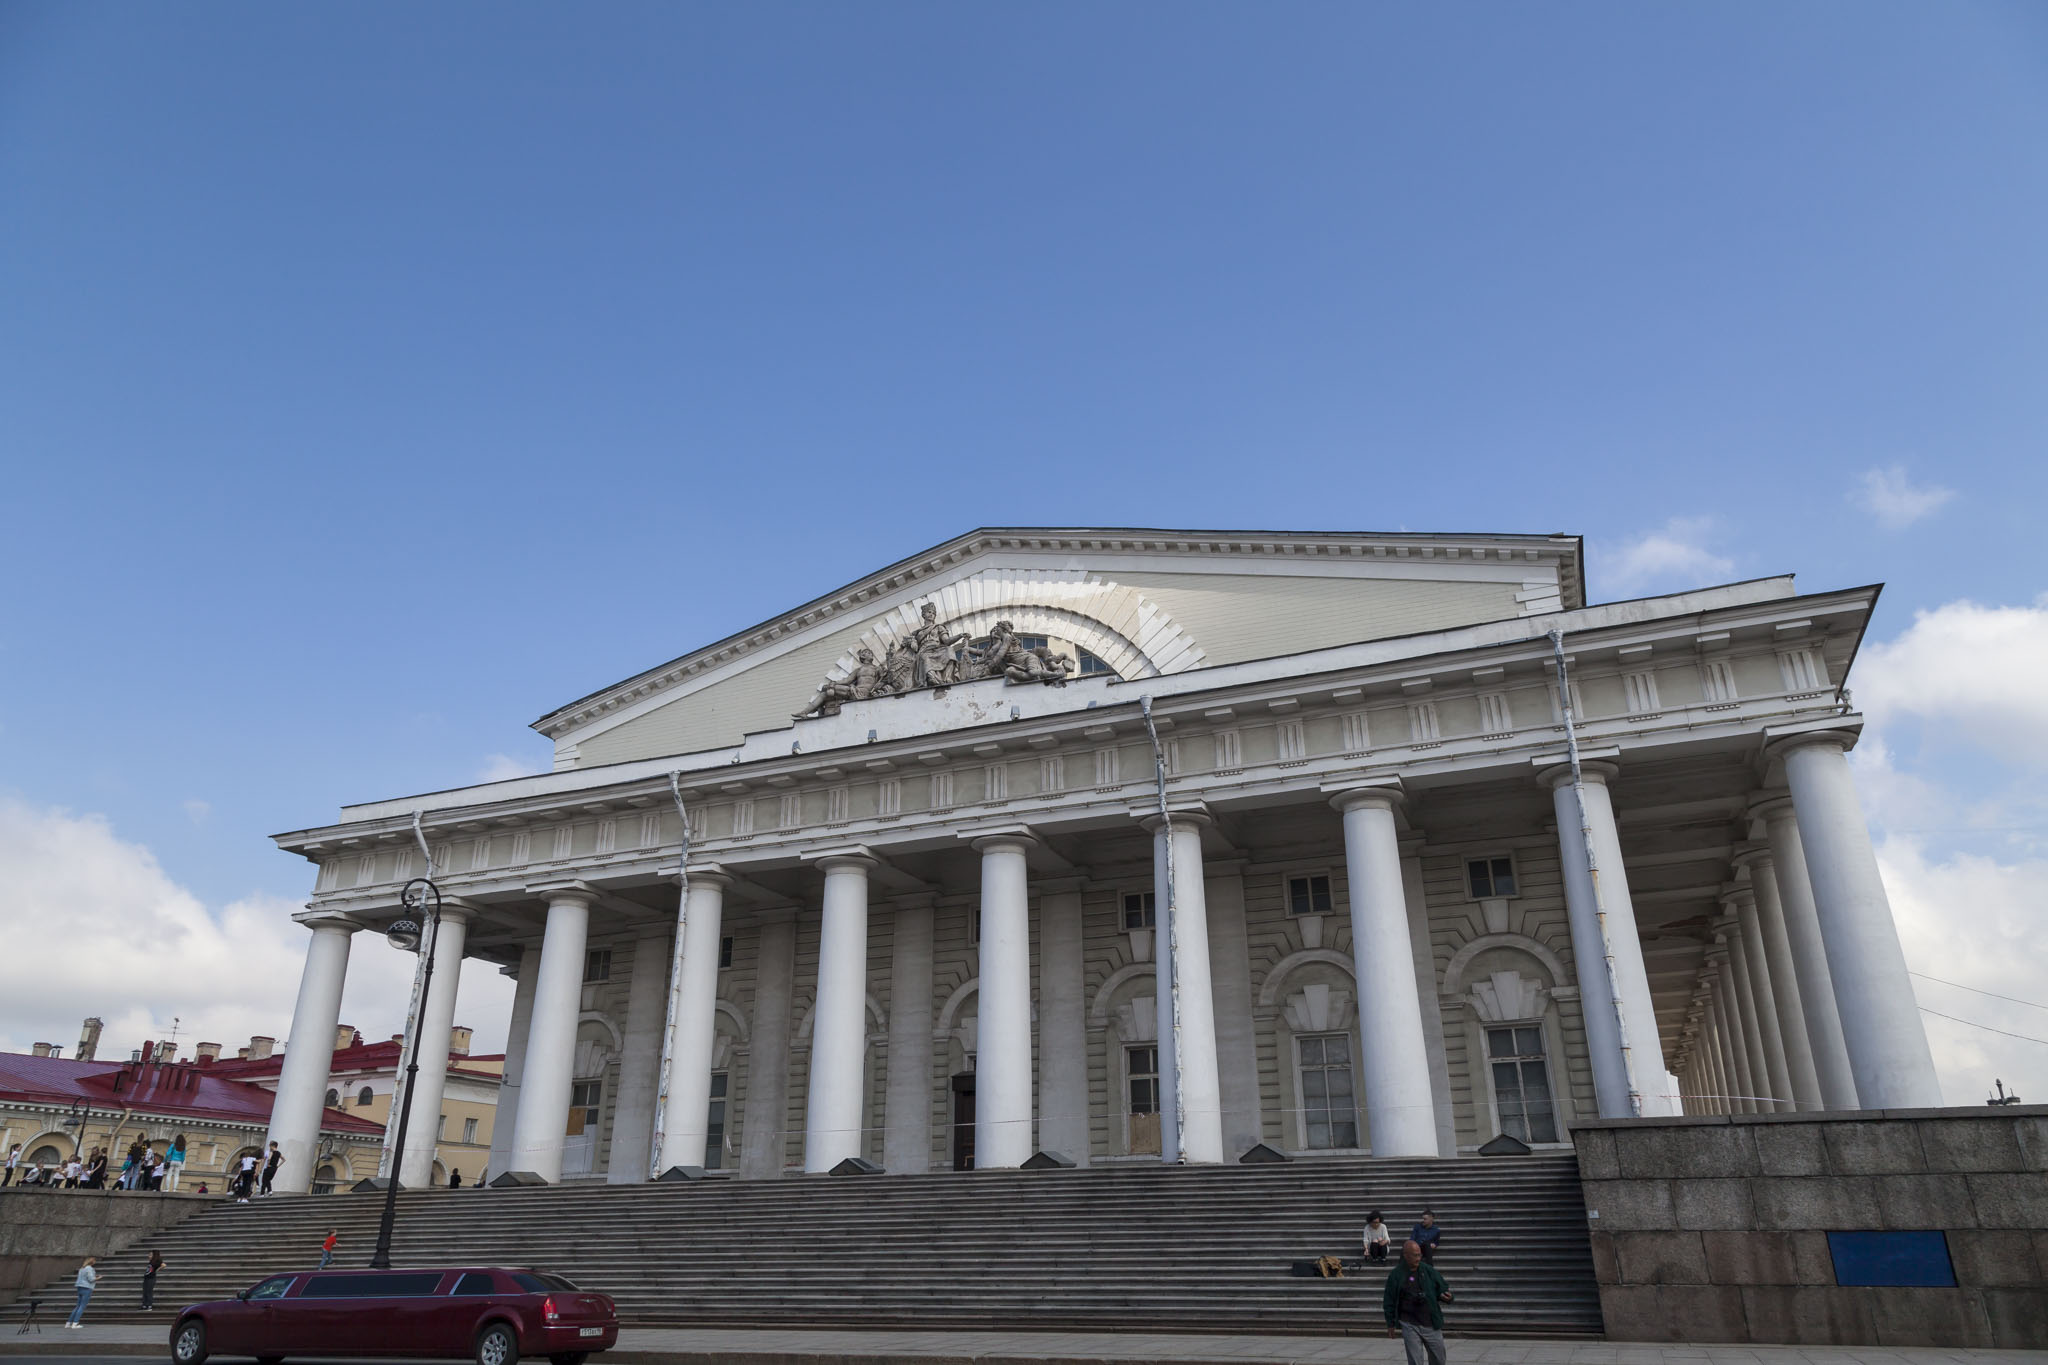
pixel 1377 1238
pixel 327 1248
pixel 245 1177
pixel 13 1164
pixel 275 1160
pixel 96 1170
pixel 455 1179
pixel 88 1280
pixel 1426 1234
pixel 175 1158
pixel 156 1263
pixel 1413 1305
pixel 74 1171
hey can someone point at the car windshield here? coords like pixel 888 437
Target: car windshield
pixel 538 1282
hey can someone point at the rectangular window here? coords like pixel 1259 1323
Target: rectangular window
pixel 725 952
pixel 1329 1113
pixel 597 965
pixel 1521 1083
pixel 1143 1065
pixel 714 1126
pixel 441 1129
pixel 398 1285
pixel 469 1130
pixel 585 1099
pixel 1308 895
pixel 1141 909
pixel 1487 878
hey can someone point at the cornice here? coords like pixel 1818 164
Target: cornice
pixel 863 594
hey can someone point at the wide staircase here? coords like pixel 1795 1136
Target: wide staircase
pixel 1206 1249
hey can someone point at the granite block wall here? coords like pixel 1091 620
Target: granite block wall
pixel 46 1233
pixel 1715 1229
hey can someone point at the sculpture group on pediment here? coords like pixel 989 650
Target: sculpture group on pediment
pixel 933 655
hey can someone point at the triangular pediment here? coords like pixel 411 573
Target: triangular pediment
pixel 1136 603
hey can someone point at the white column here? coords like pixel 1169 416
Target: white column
pixel 640 1060
pixel 1400 1108
pixel 504 1117
pixel 1002 1062
pixel 1611 1072
pixel 302 1081
pixel 543 1121
pixel 1062 1025
pixel 1737 1038
pixel 907 1115
pixel 764 1139
pixel 693 1041
pixel 1770 914
pixel 1837 1080
pixel 839 1024
pixel 1763 991
pixel 1724 1067
pixel 437 1021
pixel 1703 1056
pixel 1888 1052
pixel 1237 1043
pixel 1188 1060
pixel 1764 1099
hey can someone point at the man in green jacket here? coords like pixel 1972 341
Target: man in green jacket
pixel 1413 1304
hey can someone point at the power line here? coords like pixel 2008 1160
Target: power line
pixel 1961 987
pixel 1986 1027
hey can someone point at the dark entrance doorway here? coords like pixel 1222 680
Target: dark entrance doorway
pixel 963 1121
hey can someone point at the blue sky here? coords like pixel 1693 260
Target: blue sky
pixel 373 381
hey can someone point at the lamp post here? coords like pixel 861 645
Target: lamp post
pixel 422 898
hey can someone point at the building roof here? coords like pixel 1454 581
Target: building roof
pixel 353 1060
pixel 179 1090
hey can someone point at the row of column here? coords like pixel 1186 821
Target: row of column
pixel 1806 1003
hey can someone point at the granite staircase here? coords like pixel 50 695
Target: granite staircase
pixel 1126 1248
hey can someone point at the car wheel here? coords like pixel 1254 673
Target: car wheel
pixel 188 1342
pixel 496 1345
pixel 569 1358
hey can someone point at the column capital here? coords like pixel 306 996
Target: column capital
pixel 1193 816
pixel 1595 766
pixel 1839 732
pixel 852 858
pixel 1009 833
pixel 712 874
pixel 1754 854
pixel 1386 793
pixel 1769 805
pixel 565 891
pixel 1737 894
pixel 317 920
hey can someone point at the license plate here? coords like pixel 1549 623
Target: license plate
pixel 590 1331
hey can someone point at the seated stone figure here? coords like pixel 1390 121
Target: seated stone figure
pixel 867 680
pixel 1039 665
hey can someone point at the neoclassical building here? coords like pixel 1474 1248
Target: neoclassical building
pixel 1136 845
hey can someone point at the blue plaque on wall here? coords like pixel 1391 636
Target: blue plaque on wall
pixel 1918 1259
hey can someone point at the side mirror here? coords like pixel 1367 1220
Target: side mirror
pixel 242 1294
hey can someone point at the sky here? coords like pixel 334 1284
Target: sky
pixel 374 381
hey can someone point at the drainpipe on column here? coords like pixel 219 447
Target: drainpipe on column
pixel 1172 912
pixel 1571 743
pixel 675 978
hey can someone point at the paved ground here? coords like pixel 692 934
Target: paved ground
pixel 120 1345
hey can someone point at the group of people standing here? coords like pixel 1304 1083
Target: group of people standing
pixel 143 1168
pixel 1416 1292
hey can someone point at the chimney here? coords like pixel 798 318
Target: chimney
pixel 398 1038
pixel 40 1049
pixel 261 1047
pixel 89 1040
pixel 344 1036
pixel 458 1039
pixel 206 1052
pixel 241 1054
pixel 167 1052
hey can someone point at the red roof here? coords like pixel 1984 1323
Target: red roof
pixel 163 1089
pixel 362 1057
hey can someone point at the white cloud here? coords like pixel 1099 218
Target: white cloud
pixel 196 810
pixel 1895 501
pixel 95 926
pixel 1969 669
pixel 1674 555
pixel 500 767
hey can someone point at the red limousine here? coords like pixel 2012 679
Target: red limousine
pixel 485 1313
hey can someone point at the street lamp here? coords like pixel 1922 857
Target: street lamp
pixel 421 901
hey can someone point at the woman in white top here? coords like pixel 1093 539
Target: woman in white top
pixel 1376 1237
pixel 13 1164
